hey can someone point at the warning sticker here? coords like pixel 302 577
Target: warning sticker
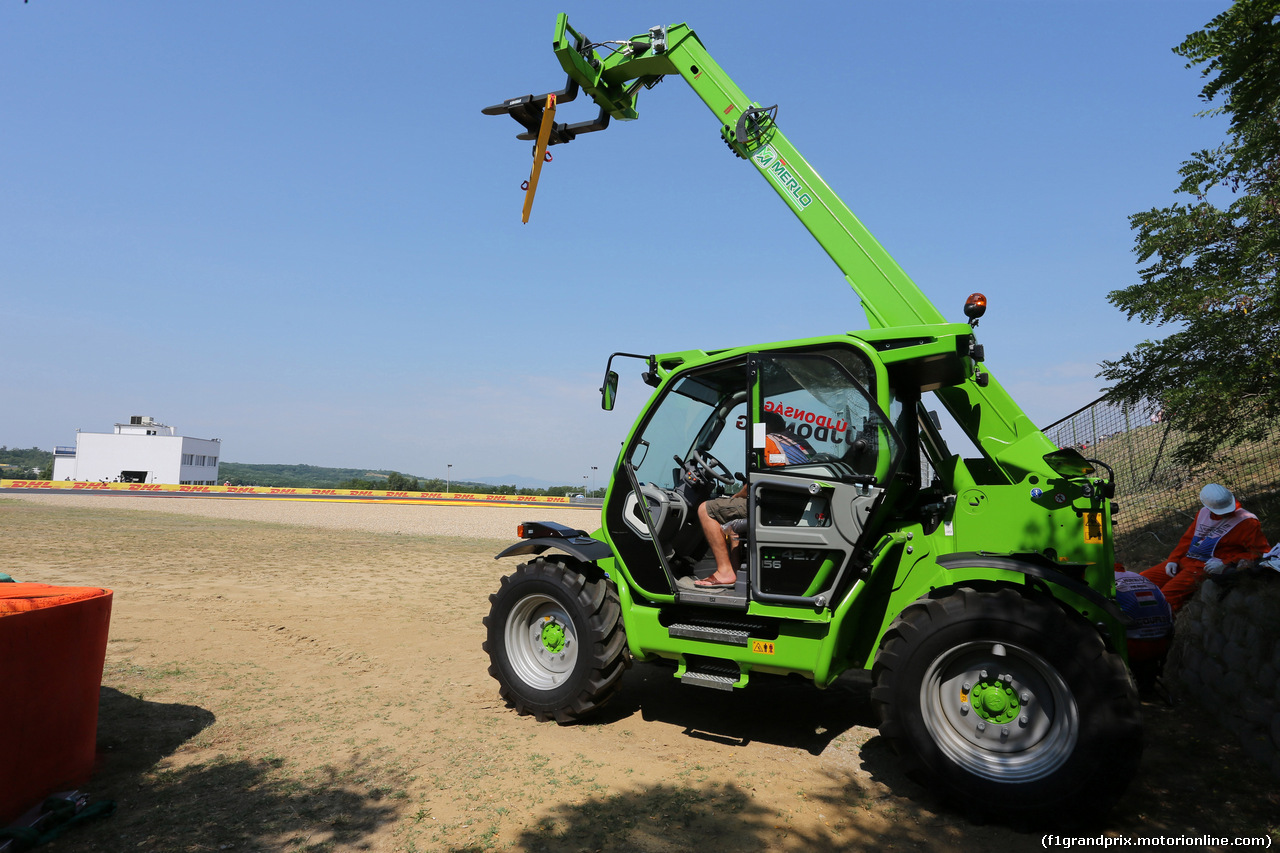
pixel 1092 528
pixel 761 647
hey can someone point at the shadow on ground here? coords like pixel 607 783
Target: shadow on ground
pixel 787 712
pixel 221 804
pixel 668 818
pixel 1194 778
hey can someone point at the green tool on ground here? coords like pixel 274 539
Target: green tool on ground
pixel 978 591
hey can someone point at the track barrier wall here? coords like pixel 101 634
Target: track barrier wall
pixel 281 492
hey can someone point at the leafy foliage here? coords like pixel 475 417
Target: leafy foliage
pixel 294 476
pixel 1211 260
pixel 18 463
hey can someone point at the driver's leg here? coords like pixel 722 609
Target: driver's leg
pixel 711 515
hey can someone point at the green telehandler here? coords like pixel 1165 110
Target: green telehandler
pixel 979 592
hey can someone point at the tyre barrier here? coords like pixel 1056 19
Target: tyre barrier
pixel 1225 657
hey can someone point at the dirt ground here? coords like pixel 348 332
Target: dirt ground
pixel 312 686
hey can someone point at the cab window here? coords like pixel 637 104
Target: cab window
pixel 819 404
pixel 702 409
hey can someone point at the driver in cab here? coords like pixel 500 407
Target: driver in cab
pixel 782 447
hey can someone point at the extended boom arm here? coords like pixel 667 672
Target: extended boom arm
pixel 614 81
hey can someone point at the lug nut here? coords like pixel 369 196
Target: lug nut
pixel 1025 697
pixel 964 708
pixel 1023 720
pixel 967 686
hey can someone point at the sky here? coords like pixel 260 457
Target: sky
pixel 289 226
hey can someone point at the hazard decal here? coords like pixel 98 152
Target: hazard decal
pixel 1092 528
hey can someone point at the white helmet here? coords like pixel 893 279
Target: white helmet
pixel 1218 499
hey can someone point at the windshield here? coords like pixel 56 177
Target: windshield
pixel 694 412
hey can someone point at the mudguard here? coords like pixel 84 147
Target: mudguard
pixel 583 547
pixel 1030 569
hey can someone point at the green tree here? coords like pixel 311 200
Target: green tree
pixel 1211 260
pixel 397 482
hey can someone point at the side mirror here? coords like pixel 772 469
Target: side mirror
pixel 609 390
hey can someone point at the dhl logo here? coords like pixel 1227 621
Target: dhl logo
pixel 275 491
pixel 248 489
pixel 461 497
pixel 397 494
pixel 324 491
pixel 90 486
pixel 32 484
pixel 361 492
pixel 145 487
pixel 195 488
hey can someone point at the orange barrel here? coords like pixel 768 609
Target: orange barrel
pixel 53 642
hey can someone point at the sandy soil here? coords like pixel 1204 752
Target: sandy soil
pixel 299 676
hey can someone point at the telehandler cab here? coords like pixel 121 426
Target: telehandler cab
pixel 979 591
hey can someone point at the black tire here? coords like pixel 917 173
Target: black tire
pixel 555 640
pixel 1057 741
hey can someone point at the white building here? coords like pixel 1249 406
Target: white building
pixel 141 451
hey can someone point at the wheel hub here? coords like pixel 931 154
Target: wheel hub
pixel 995 702
pixel 553 637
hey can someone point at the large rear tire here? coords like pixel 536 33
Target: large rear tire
pixel 1008 705
pixel 555 640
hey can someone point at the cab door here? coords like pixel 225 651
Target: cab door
pixel 810 507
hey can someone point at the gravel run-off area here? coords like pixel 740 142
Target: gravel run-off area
pixel 309 677
pixel 471 522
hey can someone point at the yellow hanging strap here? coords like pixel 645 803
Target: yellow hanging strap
pixel 539 154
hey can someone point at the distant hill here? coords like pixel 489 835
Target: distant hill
pixel 316 477
pixel 517 480
pixel 297 476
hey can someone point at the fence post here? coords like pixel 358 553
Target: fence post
pixel 1133 473
pixel 1151 478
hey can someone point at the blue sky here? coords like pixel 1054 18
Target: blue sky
pixel 288 225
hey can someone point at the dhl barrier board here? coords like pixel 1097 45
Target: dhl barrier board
pixel 287 493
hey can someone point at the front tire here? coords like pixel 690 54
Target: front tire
pixel 555 640
pixel 1007 705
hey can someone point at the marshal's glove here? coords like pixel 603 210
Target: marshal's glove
pixel 1214 566
pixel 1171 569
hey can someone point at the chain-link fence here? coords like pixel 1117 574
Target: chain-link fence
pixel 1156 498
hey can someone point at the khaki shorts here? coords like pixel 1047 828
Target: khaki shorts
pixel 724 510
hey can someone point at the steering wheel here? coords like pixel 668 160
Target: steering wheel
pixel 711 466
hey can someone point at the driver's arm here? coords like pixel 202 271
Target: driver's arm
pixel 742 493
